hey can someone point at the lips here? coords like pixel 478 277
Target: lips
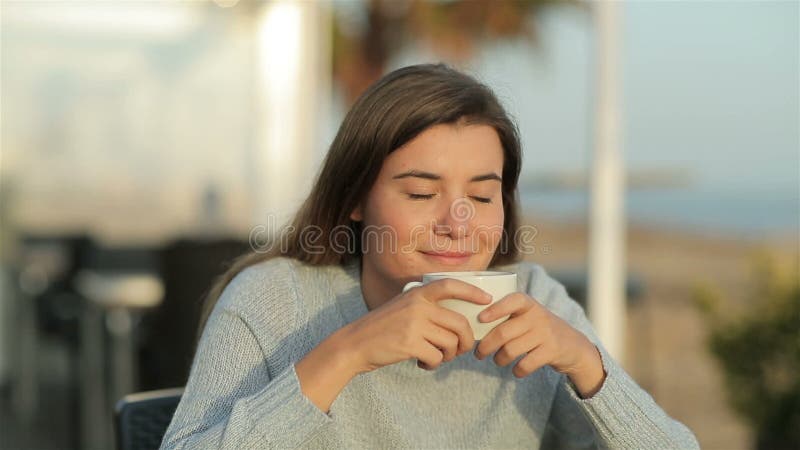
pixel 448 258
pixel 448 254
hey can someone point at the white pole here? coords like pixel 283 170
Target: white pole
pixel 606 302
pixel 292 84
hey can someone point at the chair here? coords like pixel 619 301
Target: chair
pixel 141 419
pixel 118 284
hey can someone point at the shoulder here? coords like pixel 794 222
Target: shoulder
pixel 275 296
pixel 533 279
pixel 265 280
pixel 274 299
pixel 278 283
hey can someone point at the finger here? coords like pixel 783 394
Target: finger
pixel 428 355
pixel 457 324
pixel 443 339
pixel 533 361
pixel 501 334
pixel 451 288
pixel 510 305
pixel 514 348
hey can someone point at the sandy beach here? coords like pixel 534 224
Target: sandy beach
pixel 666 334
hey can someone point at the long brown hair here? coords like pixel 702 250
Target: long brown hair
pixel 389 114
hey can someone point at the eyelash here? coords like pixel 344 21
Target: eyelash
pixel 429 196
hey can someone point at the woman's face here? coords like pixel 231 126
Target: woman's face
pixel 436 206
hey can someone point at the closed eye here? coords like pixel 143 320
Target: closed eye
pixel 429 196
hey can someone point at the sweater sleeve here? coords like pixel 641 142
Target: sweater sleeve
pixel 621 414
pixel 232 402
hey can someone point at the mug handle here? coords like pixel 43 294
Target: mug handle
pixel 411 285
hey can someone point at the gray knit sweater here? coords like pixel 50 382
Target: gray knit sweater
pixel 243 391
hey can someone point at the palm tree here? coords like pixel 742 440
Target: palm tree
pixel 451 28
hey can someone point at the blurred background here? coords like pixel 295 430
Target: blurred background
pixel 143 141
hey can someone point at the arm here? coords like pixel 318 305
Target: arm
pixel 326 370
pixel 621 413
pixel 568 427
pixel 232 401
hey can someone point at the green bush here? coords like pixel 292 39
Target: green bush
pixel 759 352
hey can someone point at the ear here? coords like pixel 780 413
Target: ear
pixel 357 215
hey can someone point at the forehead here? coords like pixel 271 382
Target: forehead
pixel 449 151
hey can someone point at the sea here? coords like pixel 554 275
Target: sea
pixel 737 213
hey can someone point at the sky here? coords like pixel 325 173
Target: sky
pixel 708 87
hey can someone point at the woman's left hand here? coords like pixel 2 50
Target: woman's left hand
pixel 544 338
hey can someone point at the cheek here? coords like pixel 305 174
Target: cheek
pixel 497 216
pixel 404 216
pixel 384 212
pixel 490 226
pixel 388 222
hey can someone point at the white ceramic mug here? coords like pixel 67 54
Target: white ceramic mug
pixel 498 284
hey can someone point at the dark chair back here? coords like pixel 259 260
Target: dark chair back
pixel 168 334
pixel 141 419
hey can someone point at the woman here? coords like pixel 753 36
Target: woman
pixel 312 343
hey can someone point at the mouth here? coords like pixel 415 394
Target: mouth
pixel 448 258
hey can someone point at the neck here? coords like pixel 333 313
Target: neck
pixel 375 289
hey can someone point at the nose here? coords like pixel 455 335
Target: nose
pixel 455 220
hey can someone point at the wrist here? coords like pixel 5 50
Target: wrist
pixel 344 353
pixel 324 372
pixel 589 375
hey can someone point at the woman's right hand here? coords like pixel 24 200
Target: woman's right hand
pixel 414 325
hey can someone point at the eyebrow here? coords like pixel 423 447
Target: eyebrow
pixel 433 176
